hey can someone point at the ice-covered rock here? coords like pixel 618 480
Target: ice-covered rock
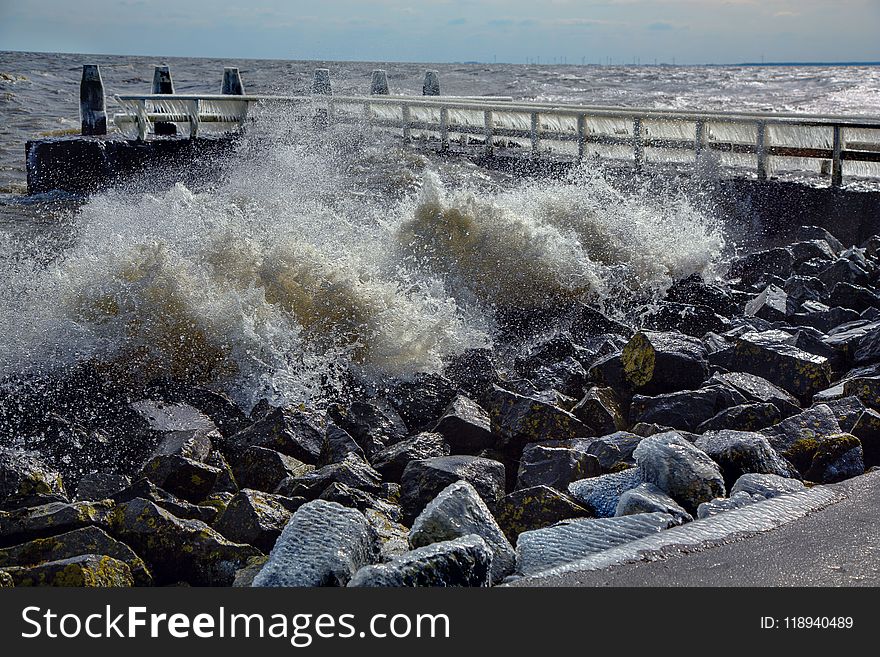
pixel 647 498
pixel 600 495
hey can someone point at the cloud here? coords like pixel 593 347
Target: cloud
pixel 661 26
pixel 787 13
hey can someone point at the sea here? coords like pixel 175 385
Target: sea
pixel 311 260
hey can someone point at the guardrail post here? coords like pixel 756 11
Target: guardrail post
pixel 489 130
pixel 444 128
pixel 405 119
pixel 638 144
pixel 321 87
pixel 163 84
pixel 431 86
pixel 761 148
pixel 837 158
pixel 582 135
pixel 535 133
pixel 92 104
pixel 699 139
pixel 379 83
pixel 194 109
pixel 231 85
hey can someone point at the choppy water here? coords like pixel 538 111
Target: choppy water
pixel 310 261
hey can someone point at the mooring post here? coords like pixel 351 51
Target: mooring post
pixel 379 84
pixel 231 85
pixel 92 105
pixel 431 87
pixel 321 87
pixel 163 84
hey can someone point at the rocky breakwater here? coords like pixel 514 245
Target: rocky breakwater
pixel 597 433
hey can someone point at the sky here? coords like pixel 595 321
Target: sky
pixel 574 31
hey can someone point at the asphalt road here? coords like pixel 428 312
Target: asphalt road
pixel 837 546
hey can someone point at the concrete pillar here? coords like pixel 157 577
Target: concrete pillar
pixel 232 85
pixel 321 84
pixel 431 87
pixel 379 85
pixel 163 84
pixel 92 105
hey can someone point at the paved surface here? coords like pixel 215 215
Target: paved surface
pixel 837 546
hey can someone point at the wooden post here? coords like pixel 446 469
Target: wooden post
pixel 92 105
pixel 431 86
pixel 321 87
pixel 761 148
pixel 379 84
pixel 837 159
pixel 231 85
pixel 163 84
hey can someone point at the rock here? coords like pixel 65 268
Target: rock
pixel 567 376
pixel 556 467
pixel 147 490
pixel 264 469
pixel 457 512
pixel 600 495
pixel 847 410
pixel 244 577
pixel 170 418
pixel 573 540
pixel 684 410
pixel 393 536
pixel 223 412
pixel 866 388
pixel 818 233
pixel 722 504
pixel 26 480
pixel 87 540
pixel 647 498
pixel 759 390
pixel 855 297
pixel 867 430
pixel 766 486
pixel 420 402
pixel 768 355
pixel 464 561
pixel 868 346
pixel 518 420
pixel 690 319
pixel 225 479
pixel 28 523
pixel 255 518
pixel 815 249
pixel 761 265
pixel 178 550
pixel 837 458
pixel 741 452
pixel 745 417
pixel 821 317
pixel 679 469
pixel 472 372
pixel 423 480
pixel 843 270
pixel 352 471
pixel 772 304
pixel 392 461
pixel 338 444
pixel 87 570
pixel 600 410
pixel 465 426
pixel 184 477
pixel 694 290
pixel 533 508
pixel 373 427
pixel 100 486
pixel 289 431
pixel 324 544
pixel 655 363
pixel 6 581
pixel 355 498
pixel 587 322
pixel 614 449
pixel 797 438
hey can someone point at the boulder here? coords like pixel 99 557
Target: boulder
pixel 255 518
pixel 420 402
pixel 393 536
pixel 600 495
pixel 556 467
pixel 815 249
pixel 773 304
pixel 694 290
pixel 146 489
pixel 293 432
pixel 26 480
pixel 867 349
pixel 178 550
pixel 533 508
pixel 100 486
pixel 847 410
pixel 720 505
pixel 323 544
pixel 745 417
pixel 685 410
pixel 573 540
pixel 614 449
pixel 464 561
pixel 690 319
pixel 760 266
pixel 423 480
pixel 457 512
pixel 465 426
pixel 679 469
pixel 264 469
pixel 867 430
pixel 837 458
pixel 518 420
pixel 662 362
pixel 373 426
pixel 741 452
pixel 184 477
pixel 766 486
pixel 351 471
pixel 819 233
pixel 355 498
pixel 797 438
pixel 647 498
pixel 855 297
pixel 28 523
pixel 821 317
pixel 866 388
pixel 391 461
pixel 87 570
pixel 338 444
pixel 567 376
pixel 600 410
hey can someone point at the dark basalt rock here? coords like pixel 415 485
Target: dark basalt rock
pixel 338 444
pixel 684 410
pixel 695 291
pixel 600 410
pixel 816 249
pixel 473 372
pixel 146 489
pixel 868 347
pixel 465 426
pixel 26 480
pixel 100 486
pixel 772 304
pixel 657 363
pixel 225 414
pixel 805 289
pixel 741 452
pixel 178 550
pixel 292 432
pixel 587 322
pixel 759 390
pixel 837 458
pixel 256 518
pixel 88 540
pixel 550 351
pixel 392 461
pixel 324 544
pixel 756 267
pixel 372 426
pixel 844 271
pixel 423 480
pixel 464 561
pixel 420 402
pixel 264 469
pixel 600 495
pixel 533 508
pixel 556 467
pixel 819 233
pixel 614 449
pixel 352 471
pixel 847 410
pixel 355 498
pixel 866 388
pixel 29 523
pixel 87 570
pixel 689 319
pixel 855 297
pixel 867 430
pixel 567 376
pixel 225 479
pixel 189 479
pixel 857 341
pixel 797 438
pixel 745 417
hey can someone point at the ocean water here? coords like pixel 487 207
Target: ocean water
pixel 310 261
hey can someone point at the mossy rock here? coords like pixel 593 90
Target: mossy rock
pixel 83 571
pixel 837 458
pixel 51 519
